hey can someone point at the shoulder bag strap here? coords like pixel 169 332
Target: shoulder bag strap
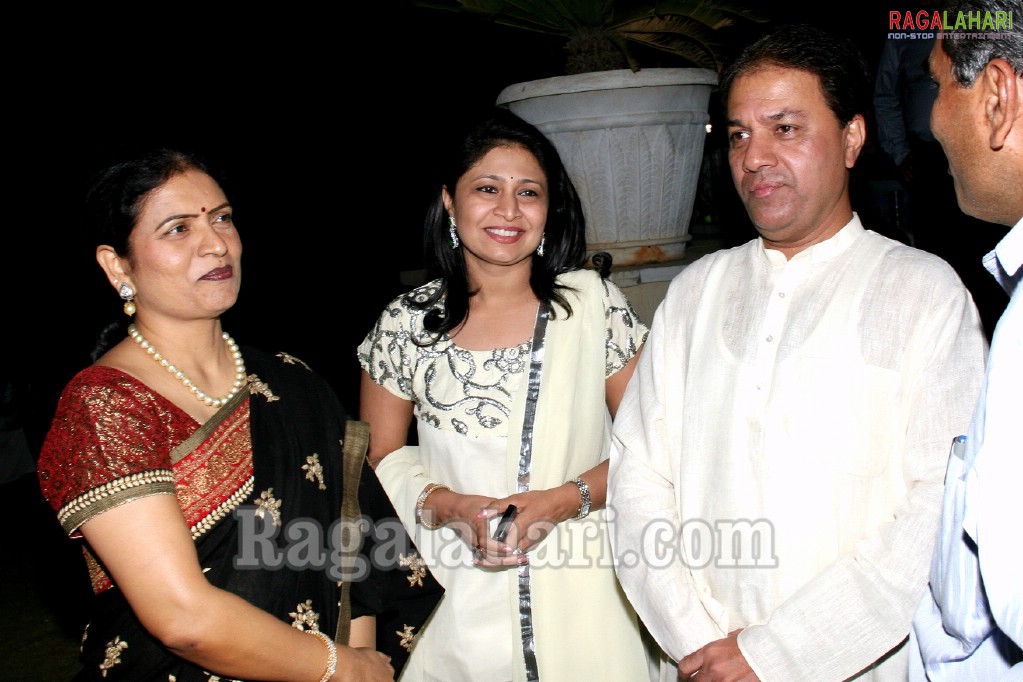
pixel 354 454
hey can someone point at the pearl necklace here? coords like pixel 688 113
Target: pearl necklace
pixel 239 373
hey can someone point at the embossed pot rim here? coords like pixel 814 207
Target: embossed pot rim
pixel 606 80
pixel 632 144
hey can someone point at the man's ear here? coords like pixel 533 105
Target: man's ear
pixel 855 137
pixel 1002 95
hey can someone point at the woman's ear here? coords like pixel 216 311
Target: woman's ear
pixel 448 200
pixel 112 265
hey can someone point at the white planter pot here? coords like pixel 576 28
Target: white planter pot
pixel 632 143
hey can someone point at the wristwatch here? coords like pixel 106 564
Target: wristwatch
pixel 584 494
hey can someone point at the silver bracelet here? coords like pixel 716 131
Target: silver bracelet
pixel 331 654
pixel 427 491
pixel 584 495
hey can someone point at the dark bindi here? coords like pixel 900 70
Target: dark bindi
pixel 203 209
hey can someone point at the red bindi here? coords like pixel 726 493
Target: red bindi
pixel 203 209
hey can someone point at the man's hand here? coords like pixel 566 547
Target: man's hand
pixel 718 661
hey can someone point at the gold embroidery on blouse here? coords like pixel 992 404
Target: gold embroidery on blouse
pixel 268 504
pixel 112 655
pixel 258 387
pixel 97 576
pixel 415 563
pixel 291 360
pixel 304 617
pixel 215 477
pixel 407 638
pixel 314 470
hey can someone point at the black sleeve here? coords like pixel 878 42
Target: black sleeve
pixel 401 593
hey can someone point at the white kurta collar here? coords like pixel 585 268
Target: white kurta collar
pixel 822 251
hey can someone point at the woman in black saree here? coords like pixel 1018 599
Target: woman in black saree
pixel 204 477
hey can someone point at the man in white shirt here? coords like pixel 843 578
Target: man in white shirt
pixel 776 477
pixel 969 625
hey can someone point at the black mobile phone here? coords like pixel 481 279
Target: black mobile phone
pixel 505 523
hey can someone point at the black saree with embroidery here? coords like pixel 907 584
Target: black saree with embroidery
pixel 269 460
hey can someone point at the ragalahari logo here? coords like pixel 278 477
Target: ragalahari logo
pixel 925 20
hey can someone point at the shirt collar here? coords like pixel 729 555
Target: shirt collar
pixel 1005 261
pixel 821 251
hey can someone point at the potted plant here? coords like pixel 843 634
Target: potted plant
pixel 631 136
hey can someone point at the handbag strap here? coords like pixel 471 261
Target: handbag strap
pixel 353 455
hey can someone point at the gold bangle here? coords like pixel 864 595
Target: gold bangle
pixel 433 487
pixel 331 654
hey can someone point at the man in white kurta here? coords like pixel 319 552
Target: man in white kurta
pixel 778 458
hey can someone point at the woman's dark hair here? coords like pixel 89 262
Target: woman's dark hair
pixel 843 73
pixel 113 203
pixel 564 232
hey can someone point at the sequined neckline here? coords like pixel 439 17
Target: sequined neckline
pixel 522 346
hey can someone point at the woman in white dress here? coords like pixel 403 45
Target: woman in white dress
pixel 513 362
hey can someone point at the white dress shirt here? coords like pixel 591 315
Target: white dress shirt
pixel 778 458
pixel 969 625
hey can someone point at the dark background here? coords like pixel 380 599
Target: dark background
pixel 324 123
pixel 323 126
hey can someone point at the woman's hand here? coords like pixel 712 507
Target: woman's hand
pixel 461 513
pixel 538 512
pixel 362 665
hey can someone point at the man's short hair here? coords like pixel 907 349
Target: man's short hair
pixel 839 66
pixel 969 55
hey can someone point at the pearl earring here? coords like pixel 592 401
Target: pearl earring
pixel 127 294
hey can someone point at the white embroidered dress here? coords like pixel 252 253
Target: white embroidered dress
pixel 563 617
